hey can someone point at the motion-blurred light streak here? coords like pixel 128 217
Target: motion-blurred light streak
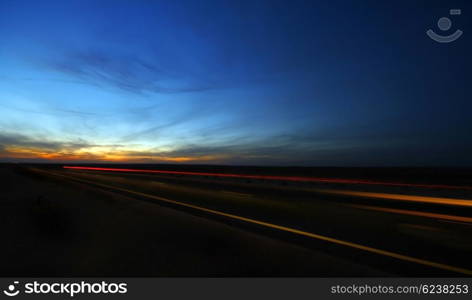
pixel 280 178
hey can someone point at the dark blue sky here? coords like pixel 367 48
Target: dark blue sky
pixel 338 83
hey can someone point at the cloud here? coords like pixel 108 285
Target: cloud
pixel 125 72
pixel 8 140
pixel 18 146
pixel 53 112
pixel 290 149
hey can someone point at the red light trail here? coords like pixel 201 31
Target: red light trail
pixel 270 177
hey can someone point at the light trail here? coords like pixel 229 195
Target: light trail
pixel 278 227
pixel 280 178
pixel 415 213
pixel 401 197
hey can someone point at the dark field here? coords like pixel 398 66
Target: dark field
pixel 63 222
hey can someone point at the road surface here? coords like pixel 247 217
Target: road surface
pixel 138 223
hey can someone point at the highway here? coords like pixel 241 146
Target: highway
pixel 397 228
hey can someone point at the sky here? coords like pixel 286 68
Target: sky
pixel 289 83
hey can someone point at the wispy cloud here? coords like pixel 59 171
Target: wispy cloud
pixel 24 141
pixel 125 72
pixel 51 111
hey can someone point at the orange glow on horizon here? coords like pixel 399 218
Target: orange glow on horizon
pixel 102 155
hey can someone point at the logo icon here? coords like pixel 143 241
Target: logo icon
pixel 11 290
pixel 445 24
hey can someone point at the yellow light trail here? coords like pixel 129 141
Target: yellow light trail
pixel 415 213
pixel 401 197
